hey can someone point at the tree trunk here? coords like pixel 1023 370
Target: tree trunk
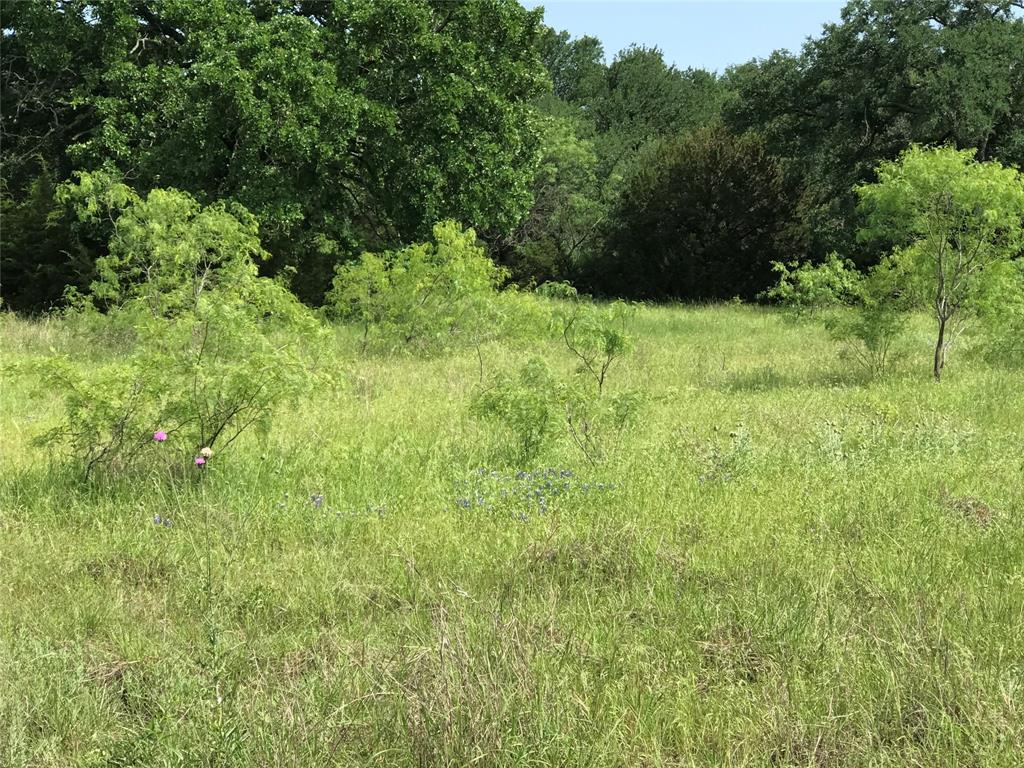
pixel 940 349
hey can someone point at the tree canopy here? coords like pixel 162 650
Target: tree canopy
pixel 337 124
pixel 345 126
pixel 889 74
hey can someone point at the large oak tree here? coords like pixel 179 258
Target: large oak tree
pixel 341 124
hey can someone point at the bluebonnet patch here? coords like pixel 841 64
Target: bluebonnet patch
pixel 523 493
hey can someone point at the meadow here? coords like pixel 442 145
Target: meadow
pixel 782 563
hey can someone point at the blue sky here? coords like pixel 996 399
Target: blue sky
pixel 694 33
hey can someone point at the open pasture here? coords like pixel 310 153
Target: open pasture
pixel 780 563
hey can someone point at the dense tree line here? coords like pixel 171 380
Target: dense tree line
pixel 356 125
pixel 889 74
pixel 340 125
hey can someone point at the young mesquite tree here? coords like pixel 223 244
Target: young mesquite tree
pixel 209 349
pixel 954 219
pixel 426 296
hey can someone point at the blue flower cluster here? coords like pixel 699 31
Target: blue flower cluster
pixel 166 522
pixel 523 493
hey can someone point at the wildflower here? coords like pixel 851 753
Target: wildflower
pixel 157 519
pixel 159 436
pixel 200 461
pixel 205 452
pixel 317 500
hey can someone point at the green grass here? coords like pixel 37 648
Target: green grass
pixel 788 565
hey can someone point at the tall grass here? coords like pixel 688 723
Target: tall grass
pixel 785 564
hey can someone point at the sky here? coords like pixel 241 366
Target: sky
pixel 693 33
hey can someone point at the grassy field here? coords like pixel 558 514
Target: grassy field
pixel 783 564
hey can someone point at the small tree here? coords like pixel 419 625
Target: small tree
pixel 210 349
pixel 954 219
pixel 595 335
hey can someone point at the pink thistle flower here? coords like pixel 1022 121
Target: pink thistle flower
pixel 200 461
pixel 159 436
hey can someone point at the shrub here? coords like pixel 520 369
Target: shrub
pixel 530 405
pixel 526 406
pixel 874 306
pixel 881 310
pixel 206 361
pixel 514 315
pixel 1001 315
pixel 425 297
pixel 593 419
pixel 807 288
pixel 557 290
